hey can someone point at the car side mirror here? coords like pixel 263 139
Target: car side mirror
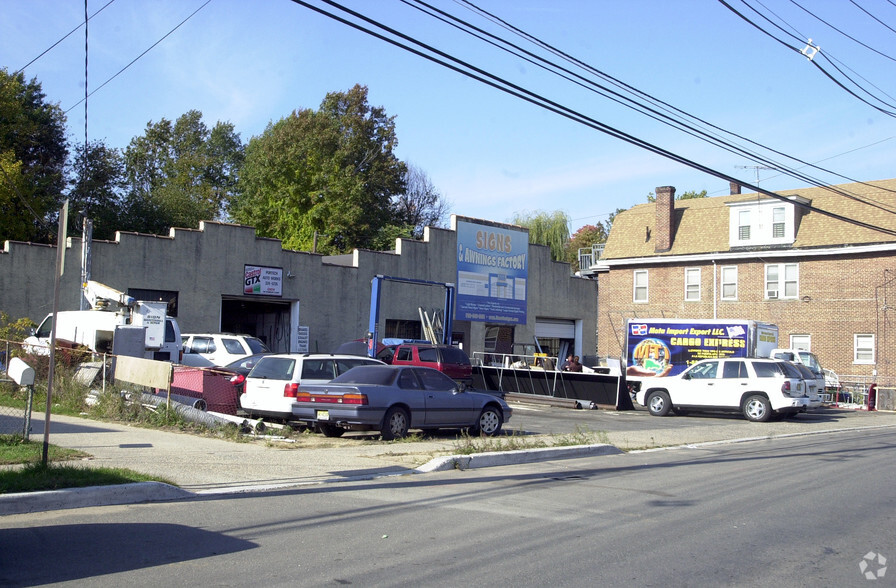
pixel 686 377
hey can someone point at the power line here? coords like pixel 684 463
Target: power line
pixel 133 61
pixel 466 69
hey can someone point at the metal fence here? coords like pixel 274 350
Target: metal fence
pixel 207 389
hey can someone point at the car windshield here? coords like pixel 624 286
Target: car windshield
pixel 810 361
pixel 381 375
pixel 256 345
pixel 277 368
pixel 454 355
pixel 792 370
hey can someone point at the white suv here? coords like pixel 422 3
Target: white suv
pixel 271 387
pixel 759 388
pixel 219 349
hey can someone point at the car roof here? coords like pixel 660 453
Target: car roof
pixel 321 356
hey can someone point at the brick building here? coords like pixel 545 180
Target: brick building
pixel 829 285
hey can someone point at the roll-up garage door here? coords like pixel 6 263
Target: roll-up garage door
pixel 554 328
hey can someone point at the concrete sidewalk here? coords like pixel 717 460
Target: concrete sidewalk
pixel 202 465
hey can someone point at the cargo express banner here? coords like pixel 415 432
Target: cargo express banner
pixel 492 269
pixel 665 349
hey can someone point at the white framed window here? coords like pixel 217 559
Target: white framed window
pixel 803 342
pixel 743 225
pixel 640 286
pixel 863 348
pixel 778 222
pixel 692 284
pixel 729 282
pixel 782 280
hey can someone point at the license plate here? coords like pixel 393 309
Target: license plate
pixel 323 415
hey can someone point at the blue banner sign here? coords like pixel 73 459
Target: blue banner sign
pixel 492 270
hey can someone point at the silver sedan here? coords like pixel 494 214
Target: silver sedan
pixel 393 399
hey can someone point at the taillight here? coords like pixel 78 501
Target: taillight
pixel 359 399
pixel 786 388
pixel 290 390
pixel 237 379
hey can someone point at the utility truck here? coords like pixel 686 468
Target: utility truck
pixel 116 323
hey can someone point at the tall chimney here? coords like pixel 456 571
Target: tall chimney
pixel 665 205
pixel 735 188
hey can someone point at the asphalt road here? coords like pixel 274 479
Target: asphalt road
pixel 790 511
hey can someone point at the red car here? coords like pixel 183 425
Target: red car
pixel 451 361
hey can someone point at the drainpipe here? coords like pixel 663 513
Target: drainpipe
pixel 715 294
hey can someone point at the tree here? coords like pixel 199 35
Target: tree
pixel 181 173
pixel 421 205
pixel 33 151
pixel 547 228
pixel 584 238
pixel 97 189
pixel 330 174
pixel 690 194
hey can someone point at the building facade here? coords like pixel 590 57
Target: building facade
pixel 796 262
pixel 224 278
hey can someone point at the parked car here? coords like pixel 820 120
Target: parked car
pixel 219 349
pixel 814 385
pixel 451 361
pixel 236 372
pixel 393 399
pixel 758 388
pixel 271 386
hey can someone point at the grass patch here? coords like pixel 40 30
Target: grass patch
pixel 36 477
pixel 14 449
pixel 468 445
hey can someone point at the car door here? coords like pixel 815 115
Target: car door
pixel 445 405
pixel 697 389
pixel 734 382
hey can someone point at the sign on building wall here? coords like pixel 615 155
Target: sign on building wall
pixel 492 270
pixel 263 281
pixel 303 339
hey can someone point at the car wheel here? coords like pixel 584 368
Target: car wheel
pixel 330 430
pixel 757 409
pixel 395 424
pixel 658 403
pixel 489 422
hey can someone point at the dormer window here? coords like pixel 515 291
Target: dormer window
pixel 778 222
pixel 743 225
pixel 763 221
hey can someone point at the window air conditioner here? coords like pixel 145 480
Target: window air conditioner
pixel 771 294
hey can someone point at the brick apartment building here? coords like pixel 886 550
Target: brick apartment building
pixel 828 284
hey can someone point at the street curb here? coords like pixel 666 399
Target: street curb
pixel 501 458
pixel 28 502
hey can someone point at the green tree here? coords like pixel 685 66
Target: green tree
pixel 547 228
pixel 97 185
pixel 181 173
pixel 330 174
pixel 33 152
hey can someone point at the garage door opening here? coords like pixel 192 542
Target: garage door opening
pixel 269 321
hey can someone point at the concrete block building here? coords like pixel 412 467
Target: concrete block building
pixel 225 278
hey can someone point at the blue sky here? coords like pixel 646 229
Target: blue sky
pixel 490 154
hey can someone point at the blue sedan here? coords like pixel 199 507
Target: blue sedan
pixel 393 399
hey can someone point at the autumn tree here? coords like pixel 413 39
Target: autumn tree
pixel 584 238
pixel 181 173
pixel 33 152
pixel 327 176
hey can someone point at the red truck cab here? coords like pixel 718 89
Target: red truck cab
pixel 452 361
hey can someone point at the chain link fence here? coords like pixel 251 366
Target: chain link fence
pixel 89 375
